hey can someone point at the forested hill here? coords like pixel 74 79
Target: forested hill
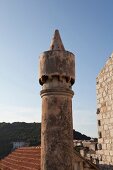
pixel 29 132
pixel 21 131
pixel 18 131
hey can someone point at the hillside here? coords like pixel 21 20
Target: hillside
pixel 18 131
pixel 21 131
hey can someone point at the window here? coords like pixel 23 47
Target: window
pixel 99 123
pixel 100 134
pixel 99 146
pixel 98 111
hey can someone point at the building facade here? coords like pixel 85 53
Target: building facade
pixel 104 88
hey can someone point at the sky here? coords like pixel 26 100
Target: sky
pixel 26 29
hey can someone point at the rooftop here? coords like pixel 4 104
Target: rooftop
pixel 29 158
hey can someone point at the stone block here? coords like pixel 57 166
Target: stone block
pixel 106 141
pixel 111 153
pixel 105 127
pixel 106 152
pixel 111 132
pixel 108 159
pixel 104 146
pixel 111 120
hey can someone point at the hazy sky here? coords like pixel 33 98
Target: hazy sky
pixel 26 29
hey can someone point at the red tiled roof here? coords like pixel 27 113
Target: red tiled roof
pixel 29 158
pixel 25 158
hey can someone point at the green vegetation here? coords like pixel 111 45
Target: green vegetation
pixel 18 131
pixel 79 136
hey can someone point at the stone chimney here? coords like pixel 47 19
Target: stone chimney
pixel 57 75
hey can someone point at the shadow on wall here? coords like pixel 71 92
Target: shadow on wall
pixel 106 167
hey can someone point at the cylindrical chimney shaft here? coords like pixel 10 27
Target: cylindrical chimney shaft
pixel 57 75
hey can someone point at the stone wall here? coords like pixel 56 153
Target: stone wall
pixel 104 87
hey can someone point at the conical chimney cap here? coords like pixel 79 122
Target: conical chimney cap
pixel 56 42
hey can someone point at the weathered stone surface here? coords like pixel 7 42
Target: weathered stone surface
pixel 105 105
pixel 57 63
pixel 57 132
pixel 56 42
pixel 57 75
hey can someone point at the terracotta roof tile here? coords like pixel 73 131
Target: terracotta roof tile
pixel 25 158
pixel 29 158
